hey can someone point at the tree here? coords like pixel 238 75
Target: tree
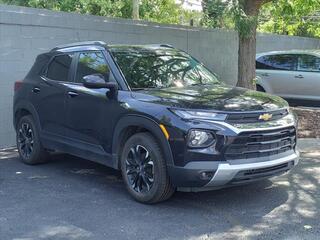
pixel 135 9
pixel 298 17
pixel 246 21
pixel 162 11
pixel 215 13
pixel 243 16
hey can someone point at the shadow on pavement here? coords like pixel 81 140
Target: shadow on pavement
pixel 71 198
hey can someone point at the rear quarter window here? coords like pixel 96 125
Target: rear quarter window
pixel 59 68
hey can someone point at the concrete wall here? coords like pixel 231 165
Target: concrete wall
pixel 270 42
pixel 26 32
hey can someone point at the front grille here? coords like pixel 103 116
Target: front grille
pixel 254 117
pixel 261 144
pixel 253 174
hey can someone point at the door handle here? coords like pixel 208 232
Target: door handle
pixel 299 76
pixel 72 94
pixel 265 74
pixel 36 90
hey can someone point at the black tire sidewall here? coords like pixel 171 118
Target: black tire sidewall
pixel 37 152
pixel 147 141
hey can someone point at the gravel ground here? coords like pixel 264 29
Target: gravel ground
pixel 308 119
pixel 73 199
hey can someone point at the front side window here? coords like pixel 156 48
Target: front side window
pixel 154 68
pixel 92 63
pixel 309 63
pixel 286 62
pixel 59 68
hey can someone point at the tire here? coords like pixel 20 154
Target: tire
pixel 28 142
pixel 260 89
pixel 148 181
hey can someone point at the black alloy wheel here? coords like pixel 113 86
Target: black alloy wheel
pixel 140 169
pixel 25 140
pixel 144 169
pixel 28 142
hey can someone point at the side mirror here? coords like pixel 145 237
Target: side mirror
pixel 97 81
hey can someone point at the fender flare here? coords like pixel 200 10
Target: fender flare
pixel 24 105
pixel 145 122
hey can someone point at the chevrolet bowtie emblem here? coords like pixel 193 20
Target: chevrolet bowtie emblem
pixel 265 117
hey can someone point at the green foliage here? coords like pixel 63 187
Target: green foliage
pixel 112 8
pixel 293 17
pixel 216 14
pixel 103 7
pixel 229 14
pixel 162 11
pixel 245 24
pixel 165 11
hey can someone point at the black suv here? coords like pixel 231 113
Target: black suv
pixel 156 114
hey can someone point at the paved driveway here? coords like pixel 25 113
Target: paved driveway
pixel 70 198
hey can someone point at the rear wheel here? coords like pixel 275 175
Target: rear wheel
pixel 144 169
pixel 28 142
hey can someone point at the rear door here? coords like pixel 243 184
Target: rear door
pixel 278 72
pixel 307 84
pixel 48 95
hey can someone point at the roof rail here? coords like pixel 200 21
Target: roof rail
pixel 78 44
pixel 166 45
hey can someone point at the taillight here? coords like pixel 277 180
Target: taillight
pixel 17 85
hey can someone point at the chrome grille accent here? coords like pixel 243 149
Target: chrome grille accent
pixel 254 117
pixel 261 144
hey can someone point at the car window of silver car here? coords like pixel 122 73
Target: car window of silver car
pixel 285 62
pixel 308 63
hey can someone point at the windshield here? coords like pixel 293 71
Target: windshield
pixel 161 68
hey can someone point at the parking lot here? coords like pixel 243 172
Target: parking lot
pixel 70 198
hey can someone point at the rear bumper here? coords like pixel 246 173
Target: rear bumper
pixel 223 174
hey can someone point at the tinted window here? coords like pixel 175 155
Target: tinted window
pixel 277 62
pixel 161 68
pixel 309 63
pixel 59 68
pixel 92 63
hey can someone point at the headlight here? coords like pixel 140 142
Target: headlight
pixel 199 138
pixel 185 114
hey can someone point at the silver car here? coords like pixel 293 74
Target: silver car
pixel 293 75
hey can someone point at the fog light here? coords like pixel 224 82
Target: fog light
pixel 199 138
pixel 206 175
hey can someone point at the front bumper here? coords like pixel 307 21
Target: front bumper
pixel 225 174
pixel 202 175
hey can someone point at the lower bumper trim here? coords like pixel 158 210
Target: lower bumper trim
pixel 227 173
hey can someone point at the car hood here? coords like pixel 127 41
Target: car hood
pixel 212 97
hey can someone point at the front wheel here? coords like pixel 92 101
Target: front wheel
pixel 144 169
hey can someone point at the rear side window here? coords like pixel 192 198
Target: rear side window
pixel 286 62
pixel 59 68
pixel 92 63
pixel 309 63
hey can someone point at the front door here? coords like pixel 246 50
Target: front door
pixel 89 112
pixel 278 72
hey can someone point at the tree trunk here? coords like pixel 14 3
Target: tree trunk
pixel 247 47
pixel 247 61
pixel 135 9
